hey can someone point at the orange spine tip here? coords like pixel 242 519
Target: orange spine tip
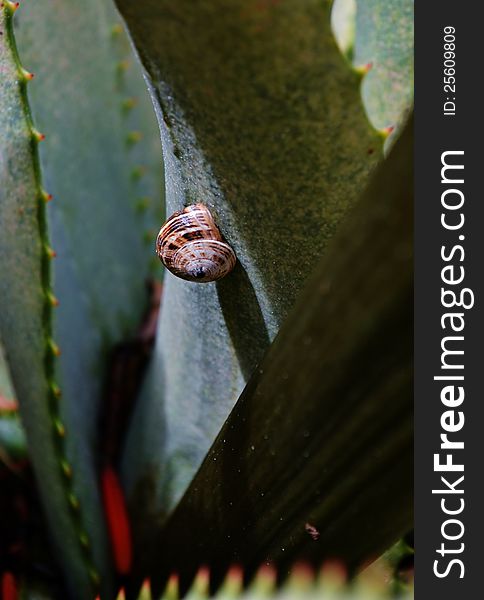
pixel 128 104
pixel 26 75
pixel 73 501
pixel 123 65
pixel 386 131
pixel 333 575
pixel 45 196
pixel 55 389
pixel 233 581
pixel 117 520
pixel 50 252
pixel 145 593
pixel 66 469
pixel 94 576
pixel 53 300
pixel 364 69
pixel 265 579
pixel 302 574
pixel 59 429
pixel 201 582
pixel 116 29
pixel 39 137
pixel 10 6
pixel 172 588
pixel 138 172
pixel 54 347
pixel 9 587
pixel 142 204
pixel 134 137
pixel 235 573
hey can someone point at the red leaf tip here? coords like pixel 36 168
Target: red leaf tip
pixel 303 571
pixel 9 587
pixel 27 75
pixel 117 520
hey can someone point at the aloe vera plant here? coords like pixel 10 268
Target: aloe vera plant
pixel 265 417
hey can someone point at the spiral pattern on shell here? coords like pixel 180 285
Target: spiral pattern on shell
pixel 191 246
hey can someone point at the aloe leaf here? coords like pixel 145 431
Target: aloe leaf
pixel 7 394
pixel 23 288
pixel 384 38
pixel 13 446
pixel 261 120
pixel 302 584
pixel 78 100
pixel 343 19
pixel 315 460
pixel 388 567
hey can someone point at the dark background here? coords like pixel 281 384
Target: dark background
pixel 436 133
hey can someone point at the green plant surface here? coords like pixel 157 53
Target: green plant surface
pixel 142 140
pixel 343 21
pixel 261 120
pixel 24 289
pixel 313 462
pixel 384 38
pixel 378 35
pixel 79 100
pixel 13 446
pixel 394 567
pixel 302 583
pixel 7 394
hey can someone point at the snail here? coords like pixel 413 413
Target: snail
pixel 191 246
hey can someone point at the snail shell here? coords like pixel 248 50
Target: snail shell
pixel 191 246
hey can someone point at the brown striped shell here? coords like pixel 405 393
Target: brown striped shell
pixel 191 246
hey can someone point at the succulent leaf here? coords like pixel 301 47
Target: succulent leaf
pixel 315 460
pixel 13 446
pixel 58 361
pixel 343 18
pixel 261 120
pixel 384 38
pixel 24 285
pixel 7 393
pixel 302 584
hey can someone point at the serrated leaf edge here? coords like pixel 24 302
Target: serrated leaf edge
pixel 52 351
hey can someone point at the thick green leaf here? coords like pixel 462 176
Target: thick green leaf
pixel 316 459
pixel 7 393
pixel 261 120
pixel 13 446
pixel 22 285
pixel 302 584
pixel 78 100
pixel 384 38
pixel 379 34
pixel 343 18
